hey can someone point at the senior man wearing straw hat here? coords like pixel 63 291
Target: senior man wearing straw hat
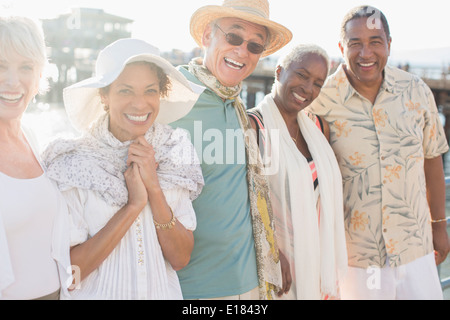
pixel 235 254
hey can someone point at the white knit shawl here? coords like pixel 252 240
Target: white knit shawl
pixel 97 162
pixel 319 246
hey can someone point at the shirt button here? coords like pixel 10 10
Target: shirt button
pixel 384 230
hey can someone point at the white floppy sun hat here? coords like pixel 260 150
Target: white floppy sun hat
pixel 82 100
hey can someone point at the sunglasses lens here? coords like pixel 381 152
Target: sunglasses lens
pixel 234 39
pixel 255 48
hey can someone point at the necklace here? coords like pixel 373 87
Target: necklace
pixel 296 137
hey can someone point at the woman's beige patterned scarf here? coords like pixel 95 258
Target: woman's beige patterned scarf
pixel 267 255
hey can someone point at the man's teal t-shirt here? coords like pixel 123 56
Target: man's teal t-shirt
pixel 223 261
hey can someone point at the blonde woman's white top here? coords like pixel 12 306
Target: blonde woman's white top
pixel 29 209
pixel 30 249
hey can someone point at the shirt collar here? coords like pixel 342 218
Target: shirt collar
pixel 389 83
pixel 346 90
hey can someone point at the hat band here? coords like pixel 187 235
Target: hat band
pixel 253 11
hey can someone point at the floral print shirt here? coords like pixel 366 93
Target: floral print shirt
pixel 381 150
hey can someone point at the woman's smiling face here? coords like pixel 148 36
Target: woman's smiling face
pixel 19 83
pixel 300 84
pixel 133 100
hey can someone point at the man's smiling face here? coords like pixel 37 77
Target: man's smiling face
pixel 232 64
pixel 366 52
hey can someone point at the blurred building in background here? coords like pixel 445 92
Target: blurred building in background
pixel 74 41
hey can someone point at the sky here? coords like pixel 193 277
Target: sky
pixel 165 23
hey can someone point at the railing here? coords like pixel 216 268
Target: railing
pixel 445 283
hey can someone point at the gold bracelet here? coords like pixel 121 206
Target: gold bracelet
pixel 166 226
pixel 440 220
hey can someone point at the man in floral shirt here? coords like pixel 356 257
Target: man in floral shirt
pixel 388 139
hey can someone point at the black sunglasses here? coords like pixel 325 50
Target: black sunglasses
pixel 236 40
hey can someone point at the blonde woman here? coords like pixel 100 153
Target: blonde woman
pixel 30 205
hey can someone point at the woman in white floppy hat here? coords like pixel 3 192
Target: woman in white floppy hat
pixel 130 179
pixel 235 254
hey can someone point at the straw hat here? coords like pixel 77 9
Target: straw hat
pixel 82 100
pixel 256 11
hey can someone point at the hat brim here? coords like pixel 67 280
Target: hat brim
pixel 279 35
pixel 83 103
